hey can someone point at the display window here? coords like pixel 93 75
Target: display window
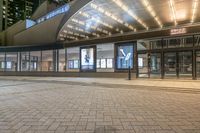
pixel 125 56
pixel 87 59
pixel 73 59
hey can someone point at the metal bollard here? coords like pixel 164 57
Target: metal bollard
pixel 129 73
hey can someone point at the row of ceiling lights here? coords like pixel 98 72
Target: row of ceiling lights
pixel 149 8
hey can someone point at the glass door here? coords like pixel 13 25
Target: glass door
pixel 155 65
pixel 185 64
pixel 170 64
pixel 143 66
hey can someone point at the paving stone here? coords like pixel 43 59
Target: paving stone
pixel 59 107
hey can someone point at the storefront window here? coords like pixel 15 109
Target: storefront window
pixel 87 58
pixel 35 61
pixel 125 56
pixel 73 59
pixel 105 56
pixel 25 61
pixel 2 61
pixel 62 66
pixel 47 60
pixel 11 61
pixel 197 40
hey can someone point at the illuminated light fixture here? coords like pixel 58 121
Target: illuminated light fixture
pixel 78 29
pixel 110 15
pixel 95 19
pixel 77 34
pixel 178 31
pixel 172 7
pixel 81 30
pixel 194 10
pixel 152 12
pixel 126 9
pixel 92 27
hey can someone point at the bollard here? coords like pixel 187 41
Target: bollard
pixel 129 73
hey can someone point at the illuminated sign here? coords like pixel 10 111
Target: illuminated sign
pixel 178 31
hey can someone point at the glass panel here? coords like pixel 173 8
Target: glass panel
pixel 25 61
pixel 125 56
pixel 170 64
pixel 155 63
pixel 73 59
pixel 178 42
pixel 198 63
pixel 105 56
pixel 35 61
pixel 87 58
pixel 197 40
pixel 143 45
pixel 156 44
pixel 2 61
pixel 11 61
pixel 143 65
pixel 62 66
pixel 185 64
pixel 47 60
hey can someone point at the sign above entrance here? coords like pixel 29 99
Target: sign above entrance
pixel 178 31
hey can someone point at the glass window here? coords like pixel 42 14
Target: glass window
pixel 11 61
pixel 2 61
pixel 73 59
pixel 197 40
pixel 47 60
pixel 25 61
pixel 178 42
pixel 35 61
pixel 87 58
pixel 143 45
pixel 125 56
pixel 62 66
pixel 105 56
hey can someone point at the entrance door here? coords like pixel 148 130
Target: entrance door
pixel 170 64
pixel 178 64
pixel 185 64
pixel 155 65
pixel 143 65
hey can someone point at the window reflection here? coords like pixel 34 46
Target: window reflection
pixel 11 61
pixel 47 60
pixel 62 66
pixel 25 61
pixel 35 61
pixel 2 61
pixel 73 59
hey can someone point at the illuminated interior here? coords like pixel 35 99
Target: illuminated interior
pixel 104 18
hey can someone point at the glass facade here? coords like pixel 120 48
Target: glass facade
pixel 2 61
pixel 11 61
pixel 62 61
pixel 47 61
pixel 177 57
pixel 105 58
pixel 73 59
pixel 35 61
pixel 25 61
